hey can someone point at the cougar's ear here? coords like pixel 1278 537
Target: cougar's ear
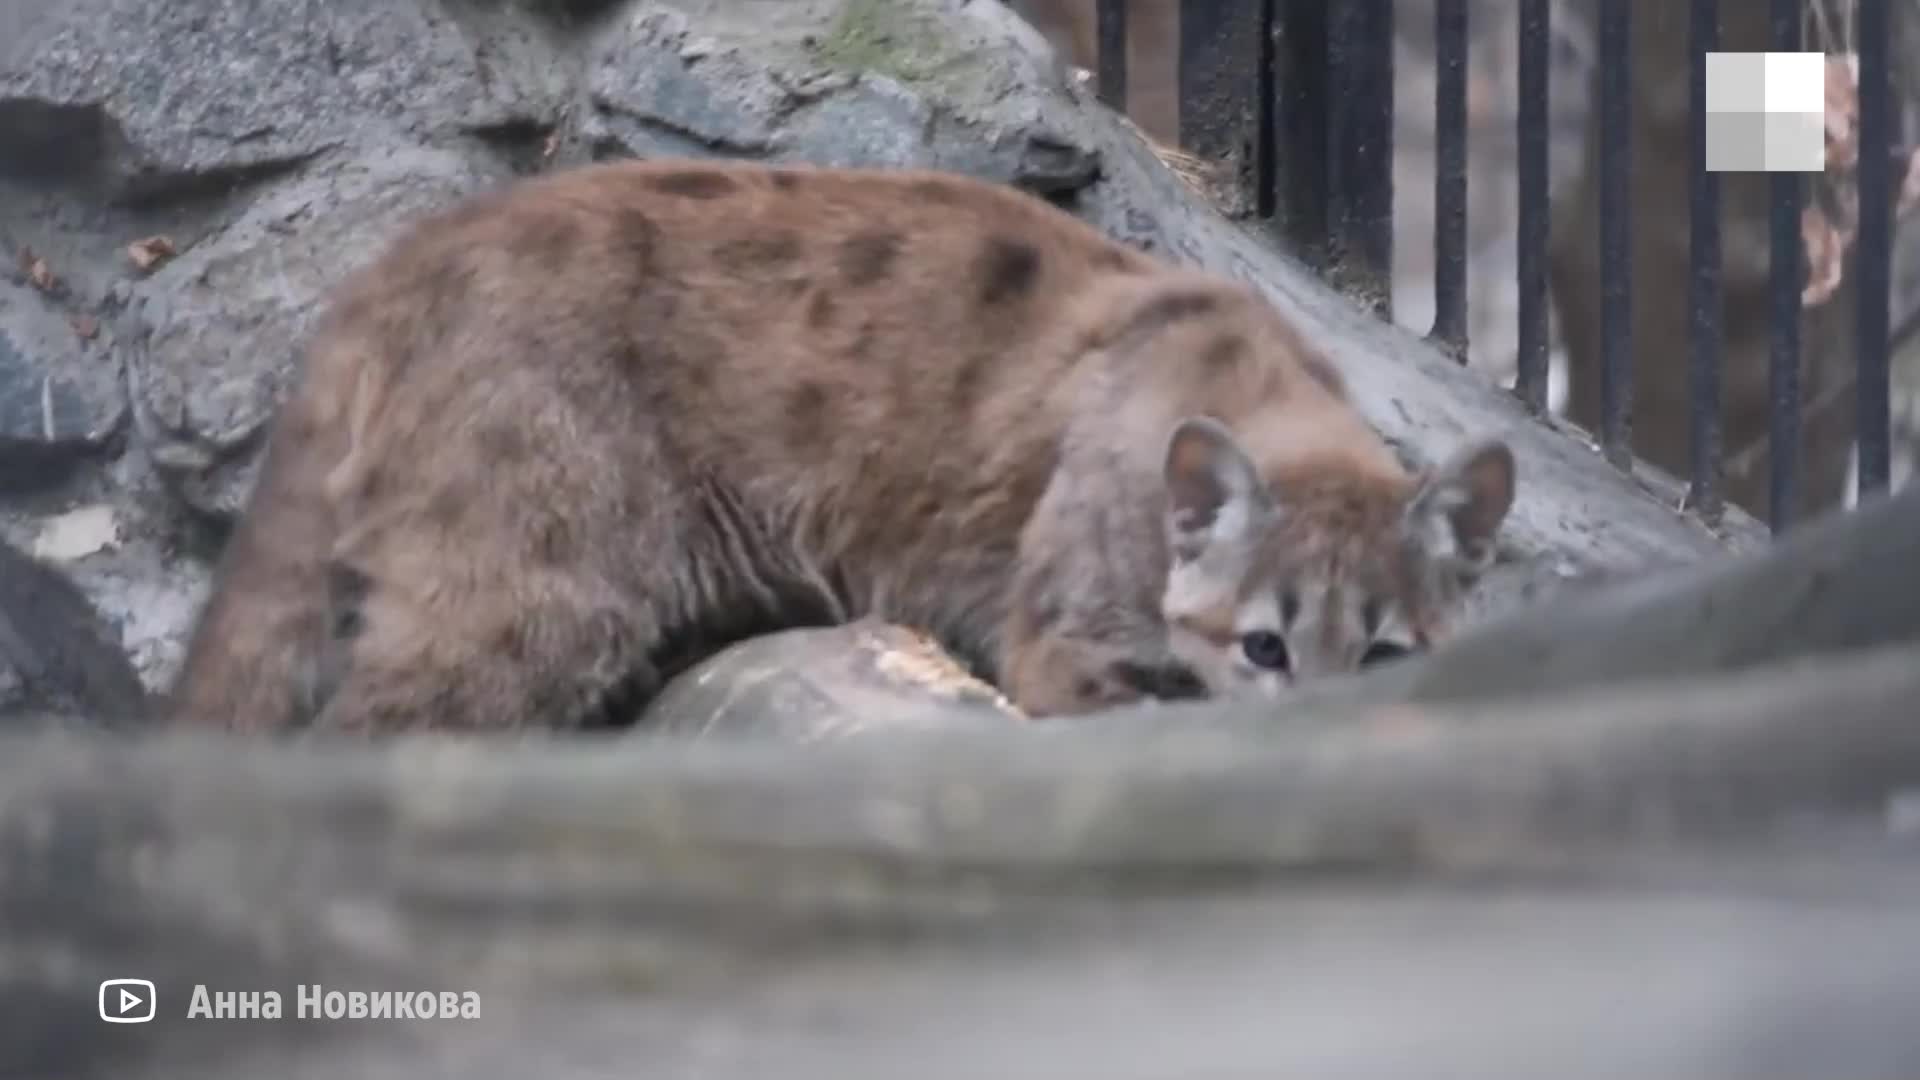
pixel 1214 491
pixel 1458 508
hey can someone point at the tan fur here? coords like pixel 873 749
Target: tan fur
pixel 565 439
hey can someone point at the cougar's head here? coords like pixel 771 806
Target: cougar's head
pixel 1320 567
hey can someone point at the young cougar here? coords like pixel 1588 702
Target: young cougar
pixel 568 438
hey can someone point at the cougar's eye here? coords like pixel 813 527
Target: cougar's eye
pixel 1382 652
pixel 1265 649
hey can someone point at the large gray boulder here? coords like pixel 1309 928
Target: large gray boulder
pixel 181 183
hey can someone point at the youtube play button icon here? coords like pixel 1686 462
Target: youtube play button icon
pixel 126 1001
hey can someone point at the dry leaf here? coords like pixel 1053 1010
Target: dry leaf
pixel 37 271
pixel 150 252
pixel 1826 256
pixel 1843 111
pixel 85 327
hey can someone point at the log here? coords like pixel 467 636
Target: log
pixel 1846 581
pixel 663 881
pixel 1338 980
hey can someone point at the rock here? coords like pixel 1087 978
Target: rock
pixel 877 84
pixel 1678 882
pixel 658 90
pixel 828 683
pixel 58 657
pixel 60 397
pixel 215 331
pixel 147 96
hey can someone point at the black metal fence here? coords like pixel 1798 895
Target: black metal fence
pixel 1308 109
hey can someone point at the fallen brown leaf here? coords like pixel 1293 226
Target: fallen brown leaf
pixel 86 327
pixel 150 252
pixel 39 275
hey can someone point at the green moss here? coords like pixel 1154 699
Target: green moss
pixel 885 37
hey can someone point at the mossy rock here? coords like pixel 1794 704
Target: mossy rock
pixel 886 37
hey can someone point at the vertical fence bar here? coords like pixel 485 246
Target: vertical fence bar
pixel 1615 169
pixel 1450 178
pixel 1266 121
pixel 1219 69
pixel 1110 30
pixel 1531 381
pixel 1361 130
pixel 1785 274
pixel 1872 253
pixel 1374 170
pixel 1704 354
pixel 1300 126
